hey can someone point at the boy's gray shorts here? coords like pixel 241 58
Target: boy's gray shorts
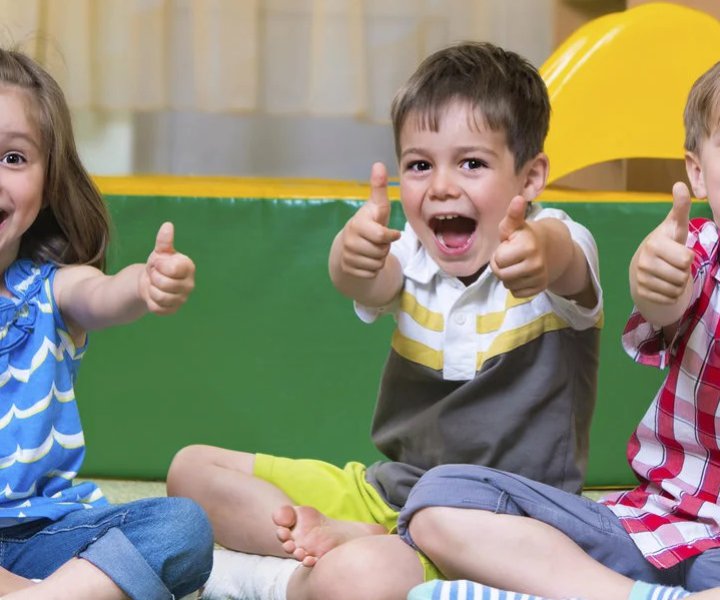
pixel 592 526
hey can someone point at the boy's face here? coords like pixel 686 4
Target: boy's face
pixel 456 185
pixel 703 170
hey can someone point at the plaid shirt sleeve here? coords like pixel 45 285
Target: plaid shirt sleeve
pixel 645 342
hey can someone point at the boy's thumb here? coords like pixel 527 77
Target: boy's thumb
pixel 679 216
pixel 379 193
pixel 514 218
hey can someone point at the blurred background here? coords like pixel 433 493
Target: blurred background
pixel 290 88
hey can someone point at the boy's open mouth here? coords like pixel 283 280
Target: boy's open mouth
pixel 3 216
pixel 454 233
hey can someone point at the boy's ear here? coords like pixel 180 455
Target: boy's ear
pixel 695 175
pixel 536 174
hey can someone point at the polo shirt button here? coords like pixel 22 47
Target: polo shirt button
pixel 460 319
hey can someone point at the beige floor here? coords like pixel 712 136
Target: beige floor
pixel 118 491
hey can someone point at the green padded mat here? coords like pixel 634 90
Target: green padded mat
pixel 267 356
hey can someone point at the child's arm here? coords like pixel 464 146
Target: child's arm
pixel 361 266
pixel 660 270
pixel 541 255
pixel 88 299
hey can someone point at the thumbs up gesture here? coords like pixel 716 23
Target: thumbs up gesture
pixel 520 260
pixel 660 270
pixel 366 237
pixel 169 276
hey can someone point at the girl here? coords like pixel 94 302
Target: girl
pixel 59 540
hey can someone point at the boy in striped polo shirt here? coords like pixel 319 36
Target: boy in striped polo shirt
pixel 666 530
pixel 493 361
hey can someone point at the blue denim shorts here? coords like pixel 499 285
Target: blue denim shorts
pixel 592 525
pixel 153 549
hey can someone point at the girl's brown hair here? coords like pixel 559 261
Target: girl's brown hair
pixel 73 226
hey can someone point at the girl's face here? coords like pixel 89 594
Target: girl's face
pixel 22 170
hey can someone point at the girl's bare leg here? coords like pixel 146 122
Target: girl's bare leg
pixel 77 579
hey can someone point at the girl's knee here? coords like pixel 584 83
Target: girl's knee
pixel 187 518
pixel 187 537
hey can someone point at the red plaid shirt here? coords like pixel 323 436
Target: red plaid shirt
pixel 674 513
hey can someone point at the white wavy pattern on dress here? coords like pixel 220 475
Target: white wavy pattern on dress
pixel 11 494
pixel 25 413
pixel 31 455
pixel 46 348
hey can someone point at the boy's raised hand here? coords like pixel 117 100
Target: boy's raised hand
pixel 169 276
pixel 366 237
pixel 661 266
pixel 520 259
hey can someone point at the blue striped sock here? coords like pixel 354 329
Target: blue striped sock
pixel 464 590
pixel 649 591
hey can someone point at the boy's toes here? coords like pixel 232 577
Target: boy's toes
pixel 299 554
pixel 290 547
pixel 283 534
pixel 309 561
pixel 284 516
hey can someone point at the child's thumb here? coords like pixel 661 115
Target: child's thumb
pixel 678 218
pixel 165 238
pixel 378 199
pixel 514 218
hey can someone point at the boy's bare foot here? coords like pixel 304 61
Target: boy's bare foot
pixel 307 534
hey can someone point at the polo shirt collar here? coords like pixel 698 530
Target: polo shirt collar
pixel 422 268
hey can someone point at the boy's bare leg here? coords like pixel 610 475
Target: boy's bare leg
pixel 77 579
pixel 713 594
pixel 251 515
pixel 381 567
pixel 307 534
pixel 239 505
pixel 513 553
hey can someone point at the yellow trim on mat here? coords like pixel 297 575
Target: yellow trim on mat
pixel 236 187
pixel 286 188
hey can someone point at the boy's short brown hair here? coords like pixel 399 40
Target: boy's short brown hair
pixel 702 110
pixel 504 88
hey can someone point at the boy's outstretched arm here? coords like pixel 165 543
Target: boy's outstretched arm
pixel 89 299
pixel 361 266
pixel 534 256
pixel 660 273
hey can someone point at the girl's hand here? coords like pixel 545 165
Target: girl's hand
pixel 169 276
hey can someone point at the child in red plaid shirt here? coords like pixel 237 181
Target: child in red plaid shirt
pixel 535 539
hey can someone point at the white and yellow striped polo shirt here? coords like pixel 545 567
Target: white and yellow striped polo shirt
pixel 460 351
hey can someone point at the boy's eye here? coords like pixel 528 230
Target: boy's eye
pixel 473 163
pixel 418 165
pixel 13 158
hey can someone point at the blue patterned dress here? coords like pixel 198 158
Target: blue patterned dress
pixel 41 439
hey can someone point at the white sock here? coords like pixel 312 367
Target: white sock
pixel 240 576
